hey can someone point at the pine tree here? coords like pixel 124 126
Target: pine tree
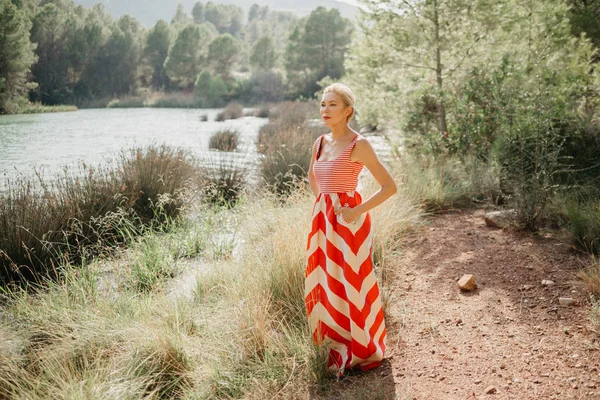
pixel 263 56
pixel 16 56
pixel 187 54
pixel 156 51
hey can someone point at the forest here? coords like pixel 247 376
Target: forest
pixel 56 52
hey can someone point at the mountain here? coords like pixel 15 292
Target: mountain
pixel 150 11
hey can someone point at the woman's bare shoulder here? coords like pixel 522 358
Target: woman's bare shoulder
pixel 362 142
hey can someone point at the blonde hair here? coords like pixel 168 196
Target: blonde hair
pixel 345 93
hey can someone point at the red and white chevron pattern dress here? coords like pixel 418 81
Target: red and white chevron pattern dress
pixel 341 291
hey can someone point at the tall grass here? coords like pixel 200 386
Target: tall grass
pixel 584 218
pixel 223 179
pixel 243 334
pixel 286 144
pixel 436 184
pixel 224 140
pixel 45 222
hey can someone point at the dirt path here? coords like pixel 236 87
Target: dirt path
pixel 510 334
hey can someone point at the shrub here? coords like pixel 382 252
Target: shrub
pixel 591 277
pixel 436 183
pixel 231 111
pixel 224 140
pixel 166 365
pixel 223 178
pixel 285 163
pixel 286 144
pixel 176 100
pixel 42 221
pixel 530 159
pixel 128 102
pixel 264 111
pixel 584 220
pixel 266 86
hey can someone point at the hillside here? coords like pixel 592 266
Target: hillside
pixel 150 11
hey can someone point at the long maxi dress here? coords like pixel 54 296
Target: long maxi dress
pixel 341 291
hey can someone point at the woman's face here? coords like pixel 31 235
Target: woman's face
pixel 333 110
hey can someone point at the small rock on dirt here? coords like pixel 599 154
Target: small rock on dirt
pixel 547 282
pixel 490 390
pixel 499 219
pixel 467 282
pixel 566 301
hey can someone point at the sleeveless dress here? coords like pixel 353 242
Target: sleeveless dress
pixel 341 291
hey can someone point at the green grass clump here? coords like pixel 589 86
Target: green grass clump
pixel 436 185
pixel 584 218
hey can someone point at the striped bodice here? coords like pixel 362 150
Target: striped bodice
pixel 339 175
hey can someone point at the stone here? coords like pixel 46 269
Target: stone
pixel 499 219
pixel 566 301
pixel 467 283
pixel 547 282
pixel 490 390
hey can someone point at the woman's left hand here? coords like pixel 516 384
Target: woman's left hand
pixel 349 215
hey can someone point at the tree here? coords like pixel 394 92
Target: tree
pixel 253 13
pixel 50 32
pixel 222 53
pixel 86 47
pixel 226 18
pixel 180 17
pixel 187 54
pixel 157 51
pixel 198 12
pixel 425 46
pixel 263 54
pixel 267 86
pixel 119 62
pixel 316 48
pixel 584 17
pixel 16 56
pixel 210 90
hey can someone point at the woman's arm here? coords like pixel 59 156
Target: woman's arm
pixel 311 176
pixel 363 152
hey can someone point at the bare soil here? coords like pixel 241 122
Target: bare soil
pixel 510 334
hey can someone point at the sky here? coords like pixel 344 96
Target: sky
pixel 353 2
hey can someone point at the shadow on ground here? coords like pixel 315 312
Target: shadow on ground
pixel 375 384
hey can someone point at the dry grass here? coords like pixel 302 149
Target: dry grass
pixel 242 334
pixel 286 143
pixel 224 140
pixel 591 277
pixel 45 222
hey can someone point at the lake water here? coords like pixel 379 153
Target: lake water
pixel 48 142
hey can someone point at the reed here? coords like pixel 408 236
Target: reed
pixel 224 140
pixel 47 222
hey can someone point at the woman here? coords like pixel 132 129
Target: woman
pixel 341 291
